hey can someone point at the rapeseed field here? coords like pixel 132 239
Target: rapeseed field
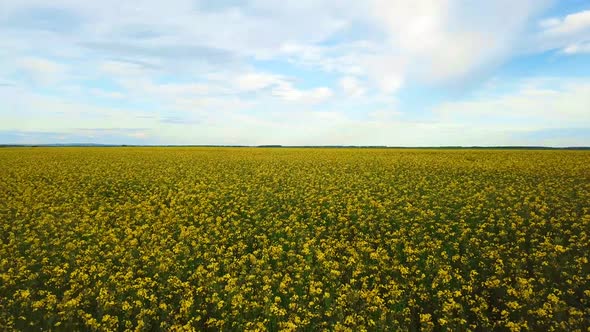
pixel 183 239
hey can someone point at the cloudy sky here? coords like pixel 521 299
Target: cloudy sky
pixel 374 72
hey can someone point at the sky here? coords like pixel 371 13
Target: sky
pixel 305 72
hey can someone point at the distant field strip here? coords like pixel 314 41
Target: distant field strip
pixel 294 239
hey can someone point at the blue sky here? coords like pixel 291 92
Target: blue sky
pixel 306 72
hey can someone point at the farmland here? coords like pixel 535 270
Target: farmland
pixel 294 239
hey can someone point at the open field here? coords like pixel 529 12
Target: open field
pixel 294 239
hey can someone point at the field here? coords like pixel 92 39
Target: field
pixel 294 239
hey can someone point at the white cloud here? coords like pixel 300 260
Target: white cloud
pixel 352 86
pixel 549 23
pixel 429 41
pixel 256 81
pixel 442 40
pixel 288 92
pixel 139 134
pixel 175 89
pixel 140 81
pixel 45 113
pixel 571 24
pixel 123 69
pixel 571 33
pixel 385 115
pixel 490 119
pixel 100 93
pixel 578 48
pixel 42 70
pixel 203 65
pixel 426 40
pixel 535 104
pixel 388 72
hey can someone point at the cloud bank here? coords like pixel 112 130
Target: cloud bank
pixel 307 72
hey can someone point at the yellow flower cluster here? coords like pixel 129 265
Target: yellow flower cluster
pixel 294 239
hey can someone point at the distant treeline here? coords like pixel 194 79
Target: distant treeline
pixel 425 147
pixel 310 146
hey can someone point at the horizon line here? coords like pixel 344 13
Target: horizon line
pixel 534 147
